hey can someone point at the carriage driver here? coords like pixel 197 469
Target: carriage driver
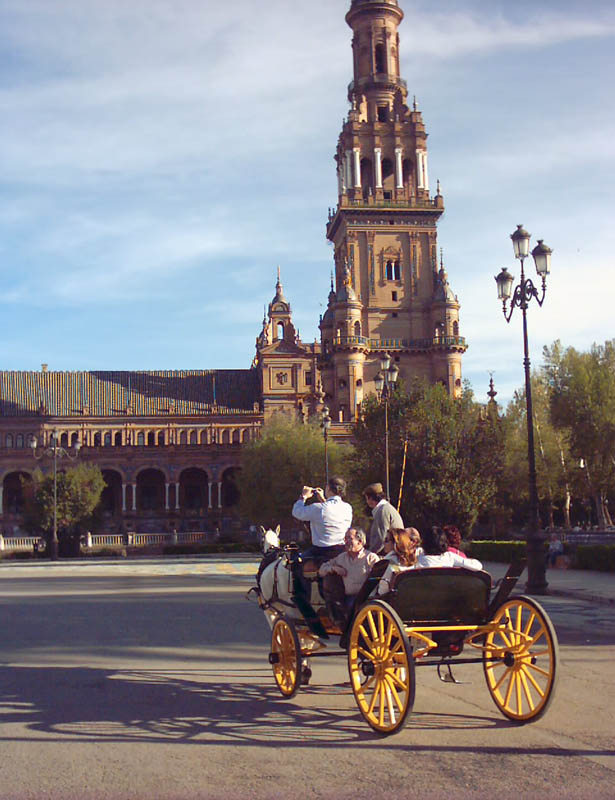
pixel 329 519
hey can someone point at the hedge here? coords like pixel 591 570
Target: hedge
pixel 201 549
pixel 600 557
pixel 595 556
pixel 503 552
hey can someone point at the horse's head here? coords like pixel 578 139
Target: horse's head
pixel 270 539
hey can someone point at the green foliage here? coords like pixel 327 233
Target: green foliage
pixel 275 467
pixel 595 556
pixel 78 493
pixel 499 552
pixel 207 549
pixel 453 454
pixel 551 453
pixel 582 401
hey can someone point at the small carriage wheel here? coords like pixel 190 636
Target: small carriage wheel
pixel 381 667
pixel 521 659
pixel 285 656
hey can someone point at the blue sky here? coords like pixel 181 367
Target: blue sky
pixel 159 160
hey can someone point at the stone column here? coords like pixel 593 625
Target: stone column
pixel 123 497
pixel 209 494
pixel 357 167
pixel 399 171
pixel 134 496
pixel 348 164
pixel 177 496
pixel 425 171
pixel 166 496
pixel 219 494
pixel 419 170
pixel 378 167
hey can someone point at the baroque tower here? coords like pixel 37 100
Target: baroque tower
pixel 389 294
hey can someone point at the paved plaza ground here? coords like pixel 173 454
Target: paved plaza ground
pixel 149 679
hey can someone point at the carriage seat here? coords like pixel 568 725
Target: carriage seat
pixel 443 596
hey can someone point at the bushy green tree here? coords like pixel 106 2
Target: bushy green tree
pixel 453 454
pixel 582 401
pixel 287 456
pixel 554 471
pixel 79 489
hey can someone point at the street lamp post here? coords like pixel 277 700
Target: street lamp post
pixel 520 298
pixel 326 424
pixel 385 382
pixel 56 452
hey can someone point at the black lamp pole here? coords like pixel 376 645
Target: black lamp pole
pixel 54 451
pixel 520 298
pixel 326 424
pixel 385 382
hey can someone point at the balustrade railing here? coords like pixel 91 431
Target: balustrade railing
pixel 398 344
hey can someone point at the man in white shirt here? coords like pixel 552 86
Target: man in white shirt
pixel 329 519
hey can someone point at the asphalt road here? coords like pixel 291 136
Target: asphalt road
pixel 152 682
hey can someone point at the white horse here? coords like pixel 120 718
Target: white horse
pixel 275 584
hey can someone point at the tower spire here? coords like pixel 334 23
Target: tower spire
pixel 390 295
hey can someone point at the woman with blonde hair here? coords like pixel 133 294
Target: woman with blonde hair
pixel 406 543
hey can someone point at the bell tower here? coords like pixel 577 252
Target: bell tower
pixel 389 293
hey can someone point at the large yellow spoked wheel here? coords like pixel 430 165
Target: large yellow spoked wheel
pixel 285 656
pixel 521 659
pixel 381 667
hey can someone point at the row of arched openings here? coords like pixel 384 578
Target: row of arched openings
pixel 195 488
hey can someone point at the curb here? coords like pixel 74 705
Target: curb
pixel 597 599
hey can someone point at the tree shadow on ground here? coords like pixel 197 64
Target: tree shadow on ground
pixel 199 707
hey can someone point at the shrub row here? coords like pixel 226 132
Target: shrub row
pixel 201 549
pixel 595 556
pixel 503 552
pixel 599 557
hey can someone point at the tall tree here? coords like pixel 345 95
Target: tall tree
pixel 287 456
pixel 582 398
pixel 79 489
pixel 453 454
pixel 554 472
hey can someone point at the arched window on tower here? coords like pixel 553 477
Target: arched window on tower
pixel 367 177
pixel 381 58
pixel 455 328
pixel 388 178
pixel 408 179
pixel 393 271
pixel 438 331
pixel 357 329
pixel 280 330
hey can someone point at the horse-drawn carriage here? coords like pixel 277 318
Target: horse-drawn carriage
pixel 430 617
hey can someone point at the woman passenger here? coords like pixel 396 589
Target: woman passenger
pixel 406 544
pixel 436 553
pixel 453 536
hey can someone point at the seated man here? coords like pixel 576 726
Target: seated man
pixel 353 566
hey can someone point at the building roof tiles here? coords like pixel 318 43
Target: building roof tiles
pixel 102 393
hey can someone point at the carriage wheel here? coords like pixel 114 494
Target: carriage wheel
pixel 522 678
pixel 381 667
pixel 285 656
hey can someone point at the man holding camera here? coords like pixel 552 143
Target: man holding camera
pixel 329 518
